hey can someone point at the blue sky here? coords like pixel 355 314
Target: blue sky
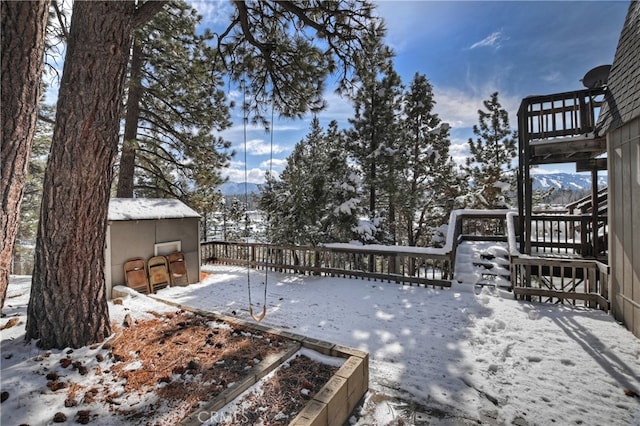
pixel 467 50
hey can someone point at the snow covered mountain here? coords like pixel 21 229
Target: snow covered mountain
pixel 235 188
pixel 571 181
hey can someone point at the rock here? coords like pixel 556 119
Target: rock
pixel 128 321
pixel 59 417
pixel 83 417
pixel 4 396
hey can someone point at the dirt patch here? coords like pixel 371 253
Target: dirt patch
pixel 157 371
pixel 282 396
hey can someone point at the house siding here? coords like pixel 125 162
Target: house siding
pixel 624 226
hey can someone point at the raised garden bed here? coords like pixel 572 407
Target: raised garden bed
pixel 326 404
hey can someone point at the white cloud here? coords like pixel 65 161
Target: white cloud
pixel 261 147
pixel 276 164
pixel 552 77
pixel 214 12
pixel 456 107
pixel 459 150
pixel 254 175
pixel 460 107
pixel 492 40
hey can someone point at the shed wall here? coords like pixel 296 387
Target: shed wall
pixel 624 223
pixel 136 238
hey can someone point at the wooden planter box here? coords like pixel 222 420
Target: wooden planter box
pixel 331 405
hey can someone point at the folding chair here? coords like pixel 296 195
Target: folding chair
pixel 158 273
pixel 135 275
pixel 178 268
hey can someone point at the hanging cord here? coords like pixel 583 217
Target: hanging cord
pixel 268 231
pixel 260 317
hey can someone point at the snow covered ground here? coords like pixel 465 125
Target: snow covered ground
pixel 437 356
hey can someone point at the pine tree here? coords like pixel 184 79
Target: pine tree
pixel 342 184
pixel 30 212
pixel 171 145
pixel 489 166
pixel 23 44
pixel 237 221
pixel 284 51
pixel 425 165
pixel 314 200
pixel 67 306
pixel 373 135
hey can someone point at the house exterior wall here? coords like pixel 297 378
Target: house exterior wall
pixel 136 238
pixel 624 223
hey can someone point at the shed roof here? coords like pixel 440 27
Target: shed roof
pixel 148 208
pixel 623 100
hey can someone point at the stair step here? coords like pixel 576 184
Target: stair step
pixel 484 265
pixel 504 286
pixel 497 272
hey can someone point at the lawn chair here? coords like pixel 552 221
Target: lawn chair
pixel 135 275
pixel 158 273
pixel 178 268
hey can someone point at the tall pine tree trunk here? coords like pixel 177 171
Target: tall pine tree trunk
pixel 127 167
pixel 23 36
pixel 68 304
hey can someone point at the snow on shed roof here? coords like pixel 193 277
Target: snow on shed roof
pixel 148 208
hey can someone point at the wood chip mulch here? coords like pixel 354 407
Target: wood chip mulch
pixel 158 371
pixel 280 398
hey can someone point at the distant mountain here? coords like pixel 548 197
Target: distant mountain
pixel 570 181
pixel 235 188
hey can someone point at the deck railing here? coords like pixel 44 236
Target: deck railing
pixel 401 265
pixel 546 278
pixel 567 235
pixel 574 281
pixel 560 114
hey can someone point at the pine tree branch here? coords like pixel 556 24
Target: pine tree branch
pixel 60 16
pixel 147 11
pixel 46 119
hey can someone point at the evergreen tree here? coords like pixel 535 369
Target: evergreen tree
pixel 314 200
pixel 174 106
pixel 67 306
pixel 30 212
pixel 344 198
pixel 285 50
pixel 426 168
pixel 373 135
pixel 23 45
pixel 489 166
pixel 237 221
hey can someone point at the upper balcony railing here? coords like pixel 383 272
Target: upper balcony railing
pixel 560 114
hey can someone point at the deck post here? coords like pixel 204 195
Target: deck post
pixel 594 211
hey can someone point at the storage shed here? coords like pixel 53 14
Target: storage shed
pixel 147 227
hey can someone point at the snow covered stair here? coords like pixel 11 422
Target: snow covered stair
pixel 483 263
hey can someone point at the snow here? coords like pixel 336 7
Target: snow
pixel 148 208
pixel 473 353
